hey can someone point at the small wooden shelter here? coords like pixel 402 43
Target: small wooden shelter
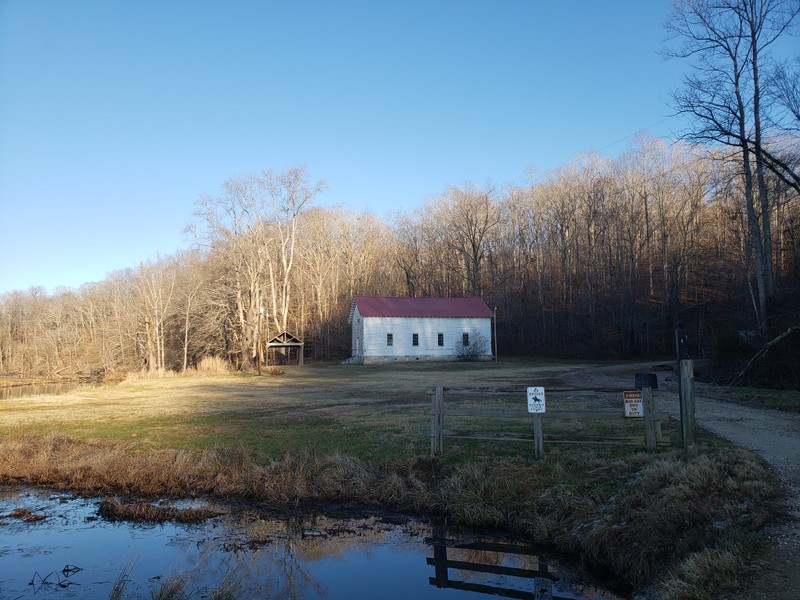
pixel 290 345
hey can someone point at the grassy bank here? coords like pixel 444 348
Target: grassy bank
pixel 353 435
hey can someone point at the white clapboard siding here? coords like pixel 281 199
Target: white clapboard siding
pixel 370 336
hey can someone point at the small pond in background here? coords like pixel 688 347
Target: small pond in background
pixel 55 545
pixel 8 389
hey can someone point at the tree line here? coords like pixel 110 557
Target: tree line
pixel 600 258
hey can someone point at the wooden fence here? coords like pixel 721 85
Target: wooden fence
pixel 650 439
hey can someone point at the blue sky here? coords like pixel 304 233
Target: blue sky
pixel 116 116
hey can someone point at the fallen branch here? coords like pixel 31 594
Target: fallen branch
pixel 57 372
pixel 762 352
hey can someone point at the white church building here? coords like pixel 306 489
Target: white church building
pixel 386 329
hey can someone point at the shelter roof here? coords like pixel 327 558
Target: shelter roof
pixel 376 306
pixel 285 339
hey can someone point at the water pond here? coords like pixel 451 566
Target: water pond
pixel 56 545
pixel 11 390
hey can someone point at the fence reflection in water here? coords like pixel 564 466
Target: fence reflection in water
pixel 500 569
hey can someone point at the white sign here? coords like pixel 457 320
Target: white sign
pixel 535 399
pixel 633 403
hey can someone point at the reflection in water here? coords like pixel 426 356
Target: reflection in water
pixel 503 568
pixel 252 555
pixel 42 389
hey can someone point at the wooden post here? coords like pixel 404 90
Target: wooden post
pixel 688 425
pixel 538 437
pixel 437 439
pixel 649 418
pixel 494 323
pixel 440 565
pixel 659 434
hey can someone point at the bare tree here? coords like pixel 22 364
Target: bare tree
pixel 787 95
pixel 287 194
pixel 782 153
pixel 469 215
pixel 255 223
pixel 235 229
pixel 728 41
pixel 156 284
pixel 191 280
pixel 426 255
pixel 341 254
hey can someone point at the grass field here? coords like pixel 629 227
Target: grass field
pixel 353 434
pixel 374 413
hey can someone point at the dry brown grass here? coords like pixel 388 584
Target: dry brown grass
pixel 213 365
pixel 25 515
pixel 705 574
pixel 115 509
pixel 680 508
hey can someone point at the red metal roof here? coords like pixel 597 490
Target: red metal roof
pixel 374 306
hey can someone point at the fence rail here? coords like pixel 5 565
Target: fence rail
pixel 650 439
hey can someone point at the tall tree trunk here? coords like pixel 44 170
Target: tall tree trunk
pixel 753 20
pixel 752 220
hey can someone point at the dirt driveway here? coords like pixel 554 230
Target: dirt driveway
pixel 771 434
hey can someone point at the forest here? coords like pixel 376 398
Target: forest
pixel 601 258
